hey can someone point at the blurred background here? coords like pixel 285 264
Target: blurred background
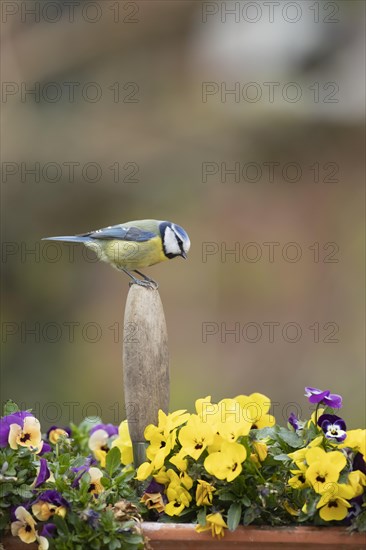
pixel 241 121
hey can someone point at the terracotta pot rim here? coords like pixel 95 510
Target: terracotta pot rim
pixel 257 534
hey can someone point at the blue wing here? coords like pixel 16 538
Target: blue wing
pixel 121 233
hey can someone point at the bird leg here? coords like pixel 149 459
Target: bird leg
pixel 153 283
pixel 146 282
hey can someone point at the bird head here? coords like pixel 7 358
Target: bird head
pixel 175 240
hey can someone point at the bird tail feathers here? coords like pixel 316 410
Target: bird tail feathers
pixel 68 239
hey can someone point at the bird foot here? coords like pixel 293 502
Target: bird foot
pixel 153 285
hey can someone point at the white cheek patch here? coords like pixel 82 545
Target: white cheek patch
pixel 170 242
pixel 184 238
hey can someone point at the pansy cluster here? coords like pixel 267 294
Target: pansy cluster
pixel 229 464
pixel 329 472
pixel 56 495
pixel 225 465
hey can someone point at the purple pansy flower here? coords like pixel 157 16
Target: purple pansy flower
pixel 49 530
pixel 333 427
pixel 355 510
pixel 46 448
pixel 43 474
pixel 294 421
pixel 109 428
pixel 52 497
pixel 316 396
pixel 91 517
pixel 155 487
pixel 359 463
pixel 5 423
pixel 80 470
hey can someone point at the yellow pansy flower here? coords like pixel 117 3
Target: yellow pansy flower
pixel 204 493
pixel 179 498
pixel 124 443
pixel 153 501
pixel 144 471
pixel 261 450
pixel 28 436
pixel 255 409
pixel 45 510
pixel 160 447
pixel 333 504
pixel 226 464
pixel 182 465
pixel 214 523
pixel 55 434
pixel 356 440
pixel 95 486
pixel 161 476
pixel 25 529
pixel 324 468
pixel 166 423
pixel 299 481
pixel 195 436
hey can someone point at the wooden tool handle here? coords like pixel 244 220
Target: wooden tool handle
pixel 145 364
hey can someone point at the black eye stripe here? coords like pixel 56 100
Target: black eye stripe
pixel 180 243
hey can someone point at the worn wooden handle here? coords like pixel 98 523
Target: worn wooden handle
pixel 145 363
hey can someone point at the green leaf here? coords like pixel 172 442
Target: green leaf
pixel 250 515
pixel 291 438
pixel 24 492
pixel 10 407
pixel 245 500
pixel 233 516
pixel 5 489
pixel 114 544
pixel 113 460
pixel 201 517
pixel 282 457
pixel 61 525
pixel 134 539
pixel 264 433
pixel 227 496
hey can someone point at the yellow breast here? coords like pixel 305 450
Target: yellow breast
pixel 133 255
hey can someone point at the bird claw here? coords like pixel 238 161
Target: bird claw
pixel 147 284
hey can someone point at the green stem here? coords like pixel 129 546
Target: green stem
pixel 316 414
pixel 258 472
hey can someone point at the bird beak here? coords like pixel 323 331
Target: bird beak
pixel 184 255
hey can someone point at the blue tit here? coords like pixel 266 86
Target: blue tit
pixel 132 246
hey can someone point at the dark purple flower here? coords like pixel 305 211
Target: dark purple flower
pixel 53 497
pixel 155 487
pixel 359 463
pixel 109 428
pixel 46 448
pixel 5 423
pixel 355 510
pixel 80 470
pixel 333 427
pixel 294 421
pixel 43 474
pixel 332 400
pixel 91 517
pixel 49 530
